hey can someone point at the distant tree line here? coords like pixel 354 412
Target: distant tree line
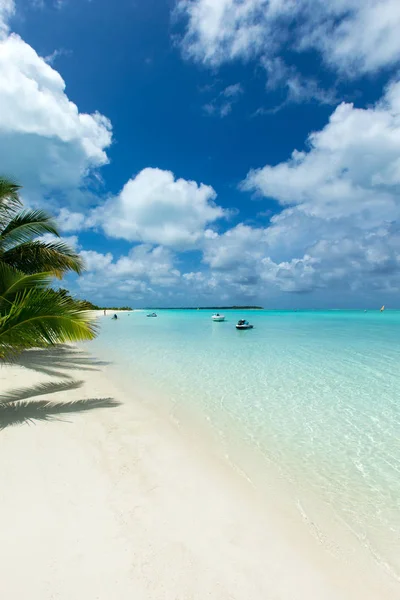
pixel 210 308
pixel 87 305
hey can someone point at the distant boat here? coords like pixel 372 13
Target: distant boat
pixel 243 324
pixel 218 317
pixel 151 315
pixel 383 308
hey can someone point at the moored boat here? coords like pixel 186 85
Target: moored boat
pixel 218 317
pixel 243 324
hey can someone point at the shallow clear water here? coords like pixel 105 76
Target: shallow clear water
pixel 318 393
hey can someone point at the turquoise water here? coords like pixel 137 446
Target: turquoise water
pixel 317 393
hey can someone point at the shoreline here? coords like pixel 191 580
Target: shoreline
pixel 308 513
pixel 117 500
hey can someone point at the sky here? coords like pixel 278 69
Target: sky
pixel 211 152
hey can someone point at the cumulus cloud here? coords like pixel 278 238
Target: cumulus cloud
pixel 237 247
pixel 7 9
pixel 341 203
pixel 353 37
pixel 337 229
pixel 352 168
pixel 45 142
pixel 338 226
pixel 240 261
pixel 155 207
pixel 70 221
pixel 96 261
pixel 133 274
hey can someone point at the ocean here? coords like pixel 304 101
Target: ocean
pixel 315 393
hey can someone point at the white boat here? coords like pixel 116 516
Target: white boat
pixel 218 317
pixel 242 324
pixel 151 315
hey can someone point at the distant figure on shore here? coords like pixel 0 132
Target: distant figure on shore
pixel 115 317
pixel 105 312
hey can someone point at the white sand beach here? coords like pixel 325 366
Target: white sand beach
pixel 104 498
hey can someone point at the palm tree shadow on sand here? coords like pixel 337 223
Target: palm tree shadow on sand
pixel 17 407
pixel 57 361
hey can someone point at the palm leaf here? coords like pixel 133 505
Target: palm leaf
pixel 9 192
pixel 42 317
pixel 13 282
pixel 10 201
pixel 25 226
pixel 57 257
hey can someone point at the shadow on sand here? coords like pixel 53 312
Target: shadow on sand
pixel 16 410
pixel 58 361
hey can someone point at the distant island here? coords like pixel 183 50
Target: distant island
pixel 128 308
pixel 208 308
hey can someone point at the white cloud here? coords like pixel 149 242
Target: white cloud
pixel 70 221
pixel 7 9
pixel 353 36
pixel 145 262
pixel 352 168
pixel 45 142
pixel 232 91
pixel 338 228
pixel 52 57
pixel 155 207
pixel 221 30
pixel 299 88
pixel 96 261
pixel 131 275
pixel 222 104
pixel 237 247
pixel 71 240
pixel 341 203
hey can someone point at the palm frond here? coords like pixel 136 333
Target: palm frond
pixel 42 317
pixel 56 257
pixel 13 282
pixel 9 192
pixel 10 201
pixel 25 227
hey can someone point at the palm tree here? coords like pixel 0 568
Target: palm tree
pixel 32 315
pixel 20 232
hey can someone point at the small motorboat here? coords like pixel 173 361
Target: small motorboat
pixel 151 315
pixel 218 317
pixel 243 324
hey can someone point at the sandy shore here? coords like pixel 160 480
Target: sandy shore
pixel 103 498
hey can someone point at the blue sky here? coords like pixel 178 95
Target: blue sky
pixel 211 151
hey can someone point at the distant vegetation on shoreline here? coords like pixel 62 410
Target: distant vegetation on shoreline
pixel 87 305
pixel 127 308
pixel 208 308
pixel 91 306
